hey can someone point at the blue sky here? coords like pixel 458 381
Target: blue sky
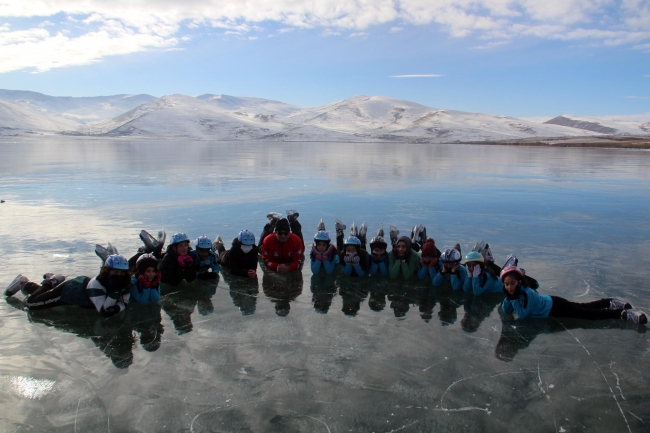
pixel 522 58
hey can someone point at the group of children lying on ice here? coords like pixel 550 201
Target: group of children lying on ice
pixel 138 279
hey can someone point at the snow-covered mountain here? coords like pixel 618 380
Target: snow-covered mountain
pixel 250 105
pixel 393 119
pixel 223 117
pixel 20 118
pixel 86 109
pixel 180 116
pixel 605 125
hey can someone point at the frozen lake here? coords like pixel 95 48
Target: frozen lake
pixel 326 354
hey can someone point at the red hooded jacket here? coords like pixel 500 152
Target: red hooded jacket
pixel 289 253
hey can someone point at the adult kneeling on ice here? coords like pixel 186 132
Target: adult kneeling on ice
pixel 282 251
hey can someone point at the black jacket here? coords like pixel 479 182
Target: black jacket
pixel 237 261
pixel 172 273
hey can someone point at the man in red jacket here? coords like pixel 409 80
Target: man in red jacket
pixel 282 251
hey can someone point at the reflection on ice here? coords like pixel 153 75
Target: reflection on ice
pixel 27 387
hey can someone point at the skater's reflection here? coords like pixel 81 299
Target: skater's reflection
pixel 243 292
pixel 478 308
pixel 323 289
pixel 179 302
pixel 281 289
pixel 378 288
pixel 352 291
pixel 517 335
pixel 401 296
pixel 115 336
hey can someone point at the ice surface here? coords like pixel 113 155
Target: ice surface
pixel 304 353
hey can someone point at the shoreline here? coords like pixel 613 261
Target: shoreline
pixel 603 142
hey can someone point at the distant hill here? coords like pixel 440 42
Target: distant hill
pixel 20 118
pixel 87 109
pixel 608 125
pixel 224 117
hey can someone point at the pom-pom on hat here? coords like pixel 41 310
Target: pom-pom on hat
pixel 429 248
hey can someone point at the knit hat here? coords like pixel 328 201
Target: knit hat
pixel 283 226
pixel 429 248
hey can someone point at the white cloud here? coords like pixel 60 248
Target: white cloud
pixel 358 34
pixel 40 50
pixel 416 76
pixel 330 32
pixel 490 45
pixel 145 24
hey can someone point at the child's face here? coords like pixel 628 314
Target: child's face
pixel 114 272
pixel 401 248
pixel 321 246
pixel 203 253
pixel 510 283
pixel 449 266
pixel 378 251
pixel 470 266
pixel 182 248
pixel 350 249
pixel 150 273
pixel 427 259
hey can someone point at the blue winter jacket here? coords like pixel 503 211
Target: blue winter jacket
pixel 529 303
pixel 457 278
pixel 484 283
pixel 360 269
pixel 144 296
pixel 210 262
pixel 431 272
pixel 329 265
pixel 379 268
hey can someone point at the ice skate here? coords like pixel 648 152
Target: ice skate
pixel 17 284
pixel 218 242
pixel 340 227
pixel 292 215
pixel 150 243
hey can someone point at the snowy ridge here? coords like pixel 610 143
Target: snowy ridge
pixel 87 109
pixel 359 118
pixel 606 124
pixel 19 118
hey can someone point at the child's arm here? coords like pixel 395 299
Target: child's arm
pixel 469 284
pixel 506 306
pixel 330 264
pixel 394 266
pixel 140 296
pixel 315 265
pixel 438 279
pixel 423 272
pixel 410 267
pixel 458 278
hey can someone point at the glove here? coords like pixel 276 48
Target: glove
pixel 207 276
pixel 185 261
pixel 476 272
pixel 144 283
pixel 351 259
pixel 156 280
